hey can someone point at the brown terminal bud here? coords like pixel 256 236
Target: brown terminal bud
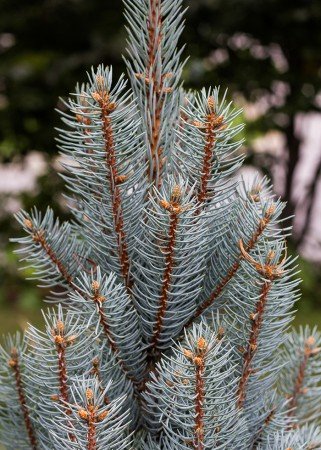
pixel 211 103
pixel 96 362
pixel 54 398
pixel 198 361
pixel 71 339
pixel 201 343
pixel 164 204
pixel 199 124
pixel 89 394
pixel 28 224
pixel 121 179
pixel 176 193
pixel 111 106
pixel 59 339
pixel 83 414
pixel 95 285
pixel 310 341
pixel 60 326
pixel 12 363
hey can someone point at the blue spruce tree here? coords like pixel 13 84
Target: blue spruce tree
pixel 173 289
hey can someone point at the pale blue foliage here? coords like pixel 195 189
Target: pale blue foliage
pixel 106 421
pixel 105 165
pixel 206 141
pixel 197 375
pixel 154 66
pixel 52 249
pixel 109 309
pixel 176 289
pixel 301 352
pixel 172 254
pixel 12 424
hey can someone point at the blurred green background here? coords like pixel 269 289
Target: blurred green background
pixel 266 53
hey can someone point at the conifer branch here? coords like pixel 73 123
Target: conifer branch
pixel 164 239
pixel 270 272
pixel 174 209
pixel 61 343
pixel 39 237
pixel 155 87
pixel 98 298
pixel 309 351
pixel 263 223
pixel 155 69
pixel 199 361
pixel 207 148
pixel 97 426
pixel 15 367
pixel 265 425
pixel 213 122
pixel 107 107
pixel 298 381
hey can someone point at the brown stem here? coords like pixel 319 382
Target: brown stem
pixel 106 108
pixel 91 435
pixel 257 319
pixel 61 344
pixel 266 423
pixel 39 237
pixel 297 390
pixel 210 139
pixel 199 403
pixel 15 366
pixel 95 371
pixel 99 299
pixel 234 268
pixel 169 264
pixel 62 372
pixel 156 85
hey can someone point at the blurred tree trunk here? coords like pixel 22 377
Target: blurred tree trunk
pixel 311 198
pixel 293 149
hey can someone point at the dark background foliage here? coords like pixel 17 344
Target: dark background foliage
pixel 267 53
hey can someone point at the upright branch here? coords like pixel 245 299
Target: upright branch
pixel 263 223
pixel 155 68
pixel 174 208
pixel 91 415
pixel 199 361
pixel 61 343
pixel 15 367
pixel 269 272
pixel 102 97
pixel 309 351
pixel 96 372
pixel 99 299
pixel 212 124
pixel 155 87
